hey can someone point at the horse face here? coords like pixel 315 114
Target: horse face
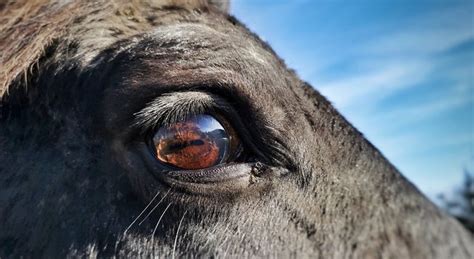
pixel 168 129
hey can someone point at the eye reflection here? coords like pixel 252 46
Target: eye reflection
pixel 196 143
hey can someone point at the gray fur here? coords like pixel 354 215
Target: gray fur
pixel 74 174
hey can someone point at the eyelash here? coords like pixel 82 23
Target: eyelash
pixel 163 112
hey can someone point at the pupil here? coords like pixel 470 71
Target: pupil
pixel 175 147
pixel 196 143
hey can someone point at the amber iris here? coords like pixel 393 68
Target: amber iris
pixel 196 143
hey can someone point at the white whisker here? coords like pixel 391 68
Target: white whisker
pixel 156 227
pixel 177 232
pixel 141 213
pixel 154 208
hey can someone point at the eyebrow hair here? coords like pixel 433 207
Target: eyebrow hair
pixel 170 108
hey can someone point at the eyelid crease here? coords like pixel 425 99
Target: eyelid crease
pixel 173 107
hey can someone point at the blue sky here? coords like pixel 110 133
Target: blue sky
pixel 401 71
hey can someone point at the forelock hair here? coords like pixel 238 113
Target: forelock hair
pixel 29 27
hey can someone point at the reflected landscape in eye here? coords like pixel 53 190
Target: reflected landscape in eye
pixel 196 143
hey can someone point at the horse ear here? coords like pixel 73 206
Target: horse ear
pixel 222 5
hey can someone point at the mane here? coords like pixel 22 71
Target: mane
pixel 29 27
pixel 26 28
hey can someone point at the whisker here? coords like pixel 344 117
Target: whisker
pixel 156 227
pixel 177 232
pixel 225 239
pixel 154 208
pixel 141 213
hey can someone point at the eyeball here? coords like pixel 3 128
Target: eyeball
pixel 199 142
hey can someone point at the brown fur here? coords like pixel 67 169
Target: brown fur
pixel 27 27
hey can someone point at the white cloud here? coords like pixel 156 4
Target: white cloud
pixel 402 58
pixel 375 85
pixel 427 34
pixel 434 107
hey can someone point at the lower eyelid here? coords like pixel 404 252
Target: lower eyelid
pixel 227 179
pixel 215 174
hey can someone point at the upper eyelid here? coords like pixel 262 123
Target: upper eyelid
pixel 170 108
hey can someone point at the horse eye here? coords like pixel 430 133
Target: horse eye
pixel 198 142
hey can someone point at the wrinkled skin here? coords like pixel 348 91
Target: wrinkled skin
pixel 74 167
